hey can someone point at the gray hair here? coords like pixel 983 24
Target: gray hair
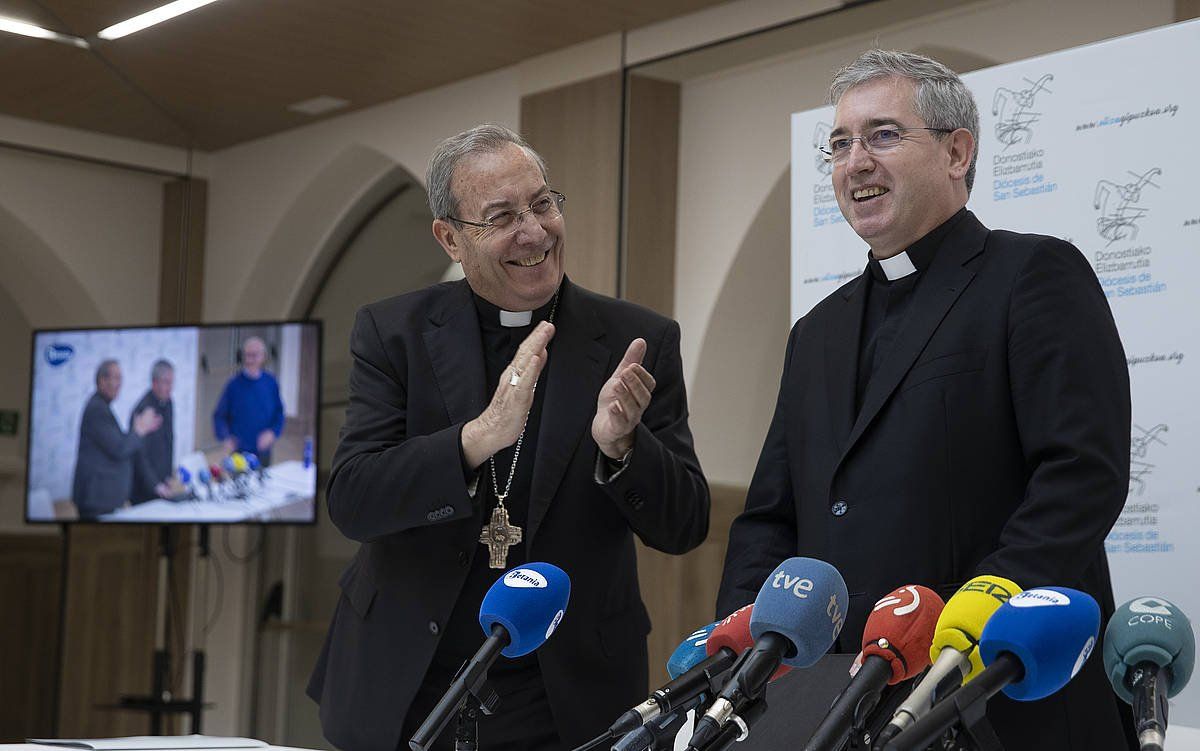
pixel 942 99
pixel 160 369
pixel 103 368
pixel 481 139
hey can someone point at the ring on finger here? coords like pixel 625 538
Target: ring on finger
pixel 515 378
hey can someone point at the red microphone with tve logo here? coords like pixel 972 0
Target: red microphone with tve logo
pixel 895 647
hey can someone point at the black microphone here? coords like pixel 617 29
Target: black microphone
pixel 519 613
pixel 796 618
pixel 895 647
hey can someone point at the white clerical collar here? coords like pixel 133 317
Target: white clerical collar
pixel 898 266
pixel 514 319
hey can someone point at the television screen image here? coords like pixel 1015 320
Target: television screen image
pixel 212 424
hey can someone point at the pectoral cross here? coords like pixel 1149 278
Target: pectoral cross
pixel 499 536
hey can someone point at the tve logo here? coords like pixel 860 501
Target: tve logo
pixel 524 578
pixel 835 615
pixel 58 354
pixel 798 585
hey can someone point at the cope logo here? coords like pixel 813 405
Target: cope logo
pixel 554 623
pixel 988 587
pixel 525 578
pixel 1151 611
pixel 1039 598
pixel 58 354
pixel 797 585
pixel 897 598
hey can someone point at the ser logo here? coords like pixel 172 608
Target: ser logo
pixel 993 588
pixel 797 585
pixel 58 354
pixel 896 598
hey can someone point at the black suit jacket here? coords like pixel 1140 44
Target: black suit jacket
pixel 993 439
pixel 104 466
pixel 397 486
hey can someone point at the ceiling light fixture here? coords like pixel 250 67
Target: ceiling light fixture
pixel 151 17
pixel 13 26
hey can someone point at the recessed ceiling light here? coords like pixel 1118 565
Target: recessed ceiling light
pixel 151 17
pixel 318 105
pixel 13 26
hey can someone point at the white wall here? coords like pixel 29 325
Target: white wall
pixel 735 147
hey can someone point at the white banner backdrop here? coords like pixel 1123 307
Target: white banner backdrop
pixel 1095 145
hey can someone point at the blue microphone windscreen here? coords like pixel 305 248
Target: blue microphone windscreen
pixel 1149 629
pixel 529 601
pixel 185 477
pixel 1051 630
pixel 690 651
pixel 804 600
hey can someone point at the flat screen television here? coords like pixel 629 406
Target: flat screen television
pixel 208 424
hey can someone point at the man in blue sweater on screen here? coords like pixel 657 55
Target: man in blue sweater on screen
pixel 249 416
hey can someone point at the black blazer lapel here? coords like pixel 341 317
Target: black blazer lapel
pixel 578 359
pixel 935 295
pixel 456 354
pixel 841 359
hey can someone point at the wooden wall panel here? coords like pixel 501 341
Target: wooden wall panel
pixel 108 632
pixel 577 130
pixel 651 180
pixel 181 276
pixel 681 591
pixel 30 572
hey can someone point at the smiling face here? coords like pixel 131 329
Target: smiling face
pixel 893 198
pixel 514 269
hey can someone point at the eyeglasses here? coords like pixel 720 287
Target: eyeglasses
pixel 876 141
pixel 549 205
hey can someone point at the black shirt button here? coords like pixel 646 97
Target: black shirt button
pixel 635 500
pixel 463 558
pixel 840 508
pixel 433 628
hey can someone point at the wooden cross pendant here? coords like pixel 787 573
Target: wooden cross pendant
pixel 499 536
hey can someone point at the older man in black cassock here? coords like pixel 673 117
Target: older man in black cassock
pixel 154 466
pixel 446 432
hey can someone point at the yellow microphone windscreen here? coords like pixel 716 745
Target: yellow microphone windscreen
pixel 965 615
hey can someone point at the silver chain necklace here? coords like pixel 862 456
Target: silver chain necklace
pixel 498 534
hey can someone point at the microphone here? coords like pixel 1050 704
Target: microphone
pixel 796 618
pixel 1149 652
pixel 733 634
pixel 519 613
pixel 955 652
pixel 1032 645
pixel 692 672
pixel 688 656
pixel 895 647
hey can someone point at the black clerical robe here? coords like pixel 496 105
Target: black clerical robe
pixel 397 486
pixel 153 464
pixel 992 438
